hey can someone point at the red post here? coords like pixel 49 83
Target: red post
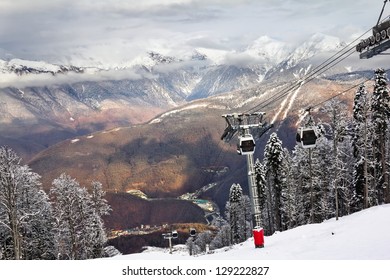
pixel 258 236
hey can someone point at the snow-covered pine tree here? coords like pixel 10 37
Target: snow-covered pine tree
pixel 273 161
pixel 299 179
pixel 222 238
pixel 236 215
pixel 25 214
pixel 311 177
pixel 203 240
pixel 290 195
pixel 361 149
pixel 40 243
pixel 247 214
pixel 79 228
pixel 100 208
pixel 380 115
pixel 340 191
pixel 265 199
pixel 261 183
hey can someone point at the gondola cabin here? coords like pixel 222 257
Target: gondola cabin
pixel 192 232
pixel 306 137
pixel 246 145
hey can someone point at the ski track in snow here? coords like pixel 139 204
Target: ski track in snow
pixel 292 100
pixel 292 96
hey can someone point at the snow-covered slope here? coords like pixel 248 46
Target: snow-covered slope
pixel 360 236
pixel 316 44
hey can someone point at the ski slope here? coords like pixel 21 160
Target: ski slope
pixel 358 249
pixel 361 236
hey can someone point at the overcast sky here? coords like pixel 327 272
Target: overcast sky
pixel 112 31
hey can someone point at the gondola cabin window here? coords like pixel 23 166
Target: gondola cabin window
pixel 246 145
pixel 306 137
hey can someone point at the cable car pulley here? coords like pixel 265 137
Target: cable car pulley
pixel 379 40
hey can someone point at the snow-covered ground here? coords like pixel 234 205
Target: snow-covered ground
pixel 361 236
pixel 358 249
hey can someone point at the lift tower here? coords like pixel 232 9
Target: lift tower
pixel 246 125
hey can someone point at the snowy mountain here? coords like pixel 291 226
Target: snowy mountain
pixel 317 44
pixel 25 67
pixel 306 56
pixel 70 98
pixel 360 236
pixel 184 76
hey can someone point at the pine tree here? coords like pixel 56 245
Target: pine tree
pixel 25 212
pixel 310 175
pixel 222 239
pixel 236 214
pixel 360 146
pixel 290 194
pixel 337 132
pixel 265 198
pixel 380 115
pixel 273 161
pixel 101 208
pixel 203 240
pixel 260 184
pixel 79 227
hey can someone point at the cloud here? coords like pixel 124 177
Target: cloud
pixel 241 59
pixel 172 67
pixel 112 31
pixel 47 79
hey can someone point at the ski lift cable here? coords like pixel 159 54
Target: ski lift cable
pixel 308 79
pixel 344 91
pixel 318 71
pixel 299 83
pixel 332 61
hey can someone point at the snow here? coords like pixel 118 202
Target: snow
pixel 291 102
pixel 292 96
pixel 74 140
pixel 273 51
pixel 216 56
pixel 175 111
pixel 318 43
pixel 360 236
pixel 38 65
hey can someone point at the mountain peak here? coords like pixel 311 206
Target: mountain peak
pixel 271 50
pixel 161 59
pixel 325 42
pixel 316 44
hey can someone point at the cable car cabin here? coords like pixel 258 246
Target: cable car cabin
pixel 246 145
pixel 306 137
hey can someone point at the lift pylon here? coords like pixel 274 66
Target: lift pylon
pixel 243 124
